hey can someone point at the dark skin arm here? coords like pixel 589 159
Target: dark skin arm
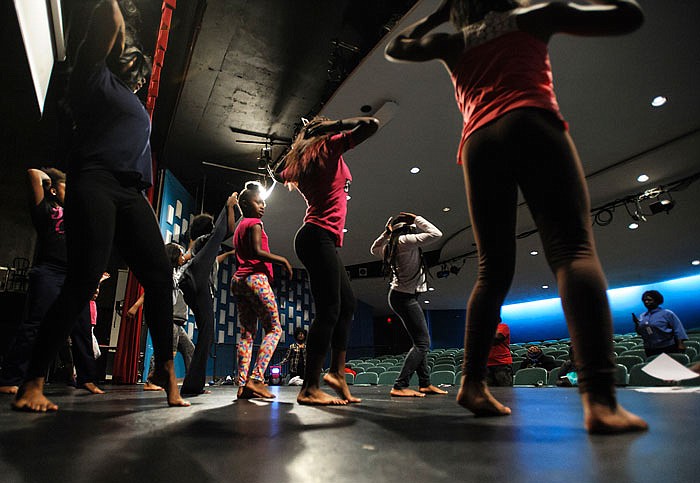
pixel 362 128
pixel 260 254
pixel 615 17
pixel 104 39
pixel 37 180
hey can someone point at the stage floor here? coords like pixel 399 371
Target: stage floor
pixel 130 435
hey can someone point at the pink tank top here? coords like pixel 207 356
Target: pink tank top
pixel 504 73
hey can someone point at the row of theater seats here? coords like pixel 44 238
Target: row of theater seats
pixel 445 364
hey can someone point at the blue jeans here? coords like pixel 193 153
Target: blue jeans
pixel 406 306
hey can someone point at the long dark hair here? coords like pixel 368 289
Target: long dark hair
pixel 389 266
pixel 299 161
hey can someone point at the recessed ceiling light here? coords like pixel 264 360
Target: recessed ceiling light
pixel 545 286
pixel 658 101
pixel 426 301
pixel 695 263
pixel 642 178
pixel 348 197
pixel 345 230
pixel 415 170
pixel 446 209
pixel 432 289
pixel 534 252
pixel 633 226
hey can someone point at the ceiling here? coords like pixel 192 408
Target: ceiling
pixel 259 66
pixel 604 86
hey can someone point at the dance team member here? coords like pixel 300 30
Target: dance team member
pixel 400 248
pixel 197 280
pixel 315 166
pixel 514 137
pixel 47 187
pixel 109 169
pixel 251 286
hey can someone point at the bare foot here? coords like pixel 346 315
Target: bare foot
pixel 8 389
pixel 259 388
pixel 600 418
pixel 30 397
pixel 338 384
pixel 164 376
pixel 316 397
pixel 431 390
pixel 92 387
pixel 149 386
pixel 405 392
pixel 476 397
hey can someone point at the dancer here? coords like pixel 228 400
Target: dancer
pixel 400 247
pixel 315 167
pixel 251 286
pixel 197 280
pixel 47 188
pixel 181 341
pixel 110 167
pixel 514 136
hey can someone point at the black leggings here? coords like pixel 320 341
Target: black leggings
pixel 101 211
pixel 332 293
pixel 406 306
pixel 194 284
pixel 530 149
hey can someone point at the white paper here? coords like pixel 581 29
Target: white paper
pixel 221 337
pixel 230 328
pixel 668 389
pixel 222 317
pixel 666 368
pixel 171 215
pixel 190 330
pixel 168 236
pixel 290 328
pixel 178 209
pixel 176 233
pixel 224 293
pixel 184 226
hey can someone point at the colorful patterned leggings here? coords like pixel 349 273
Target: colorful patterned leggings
pixel 255 301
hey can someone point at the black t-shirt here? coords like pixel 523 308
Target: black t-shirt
pixel 112 127
pixel 51 241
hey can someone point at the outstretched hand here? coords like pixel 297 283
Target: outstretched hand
pixel 233 199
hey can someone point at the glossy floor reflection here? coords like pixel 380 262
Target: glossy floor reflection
pixel 130 435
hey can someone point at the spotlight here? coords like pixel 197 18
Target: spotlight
pixel 443 273
pixel 455 269
pixel 275 375
pixel 661 205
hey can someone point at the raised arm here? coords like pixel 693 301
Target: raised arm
pixel 231 204
pixel 416 44
pixel 429 232
pixel 37 181
pixel 104 38
pixel 595 18
pixel 362 128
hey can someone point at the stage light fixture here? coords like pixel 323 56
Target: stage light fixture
pixel 443 272
pixel 275 375
pixel 661 205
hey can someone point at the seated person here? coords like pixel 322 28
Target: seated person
pixel 500 362
pixel 568 372
pixel 536 358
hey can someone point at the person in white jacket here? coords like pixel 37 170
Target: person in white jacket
pixel 400 247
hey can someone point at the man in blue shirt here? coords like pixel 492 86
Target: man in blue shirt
pixel 661 329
